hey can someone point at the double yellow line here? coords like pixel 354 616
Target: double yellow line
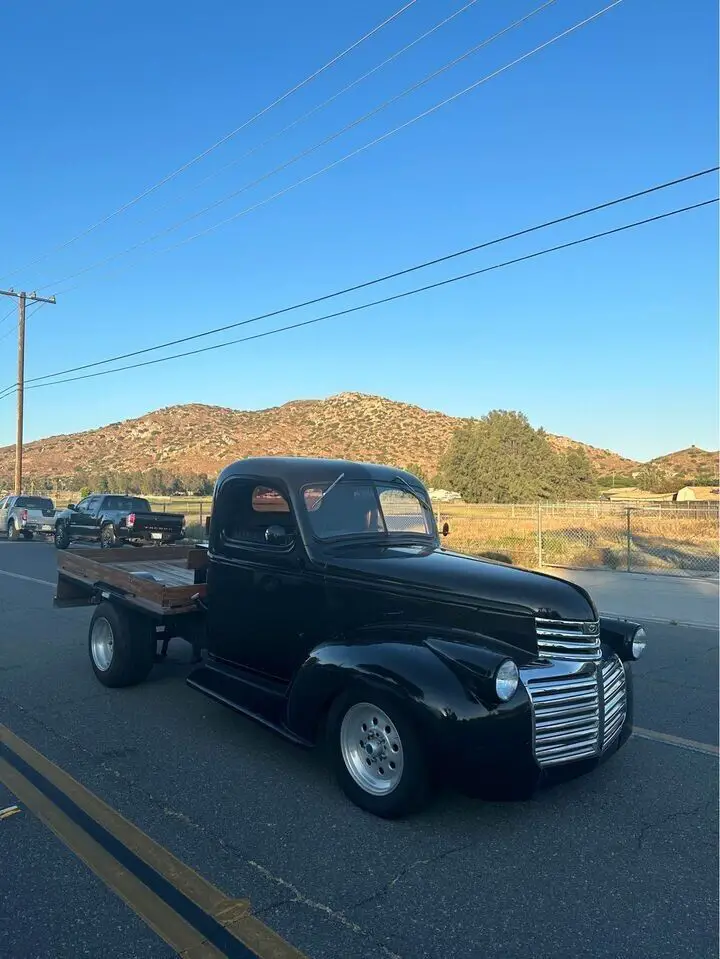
pixel 194 917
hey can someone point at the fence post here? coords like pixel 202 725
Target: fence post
pixel 629 539
pixel 539 535
pixel 201 515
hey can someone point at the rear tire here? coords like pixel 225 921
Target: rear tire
pixel 12 530
pixel 107 536
pixel 121 646
pixel 392 780
pixel 62 537
pixel 27 534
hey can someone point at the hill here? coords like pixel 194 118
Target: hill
pixel 690 462
pixel 202 439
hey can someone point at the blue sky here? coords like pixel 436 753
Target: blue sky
pixel 613 343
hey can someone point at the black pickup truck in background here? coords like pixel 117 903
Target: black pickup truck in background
pixel 111 519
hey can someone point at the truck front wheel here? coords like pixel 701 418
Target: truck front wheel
pixel 121 647
pixel 62 537
pixel 12 530
pixel 376 754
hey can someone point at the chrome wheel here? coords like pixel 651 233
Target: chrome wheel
pixel 102 644
pixel 371 749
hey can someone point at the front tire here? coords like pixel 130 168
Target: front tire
pixel 12 531
pixel 376 754
pixel 62 537
pixel 121 647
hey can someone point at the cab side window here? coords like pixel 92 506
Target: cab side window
pixel 255 514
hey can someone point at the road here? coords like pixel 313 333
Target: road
pixel 620 863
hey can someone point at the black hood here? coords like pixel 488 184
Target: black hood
pixel 442 575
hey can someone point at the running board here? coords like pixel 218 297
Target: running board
pixel 247 695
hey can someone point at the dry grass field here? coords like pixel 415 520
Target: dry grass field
pixel 663 540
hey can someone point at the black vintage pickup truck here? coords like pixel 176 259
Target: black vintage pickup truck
pixel 329 611
pixel 111 519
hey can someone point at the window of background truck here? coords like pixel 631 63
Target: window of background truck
pixel 126 504
pixel 34 502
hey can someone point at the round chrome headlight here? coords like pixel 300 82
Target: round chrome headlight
pixel 639 642
pixel 507 679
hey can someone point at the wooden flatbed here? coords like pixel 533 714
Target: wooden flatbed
pixel 160 581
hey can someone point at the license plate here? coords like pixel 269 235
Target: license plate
pixel 47 529
pixel 156 535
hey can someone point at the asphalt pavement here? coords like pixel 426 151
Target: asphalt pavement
pixel 620 863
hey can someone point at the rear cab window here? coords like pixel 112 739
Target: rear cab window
pixel 34 502
pixel 126 504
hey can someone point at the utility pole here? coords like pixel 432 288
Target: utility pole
pixel 22 297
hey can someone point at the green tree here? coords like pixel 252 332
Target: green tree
pixel 655 480
pixel 500 458
pixel 577 480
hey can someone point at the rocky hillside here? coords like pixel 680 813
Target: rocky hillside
pixel 689 462
pixel 202 439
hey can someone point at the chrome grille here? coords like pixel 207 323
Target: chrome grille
pixel 614 699
pixel 568 639
pixel 575 715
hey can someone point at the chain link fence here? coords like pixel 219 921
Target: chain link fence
pixel 658 538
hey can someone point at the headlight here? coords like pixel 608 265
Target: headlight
pixel 638 643
pixel 507 678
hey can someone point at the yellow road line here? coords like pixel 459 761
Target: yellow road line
pixel 692 745
pixel 193 916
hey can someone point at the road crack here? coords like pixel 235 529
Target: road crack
pixel 647 827
pixel 408 869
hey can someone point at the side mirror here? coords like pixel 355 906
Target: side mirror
pixel 277 536
pixel 446 529
pixel 71 506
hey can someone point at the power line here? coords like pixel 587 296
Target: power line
pixel 218 143
pixel 321 106
pixel 13 329
pixel 387 299
pixel 390 276
pixel 7 316
pixel 299 156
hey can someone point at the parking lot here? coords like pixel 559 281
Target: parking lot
pixel 620 863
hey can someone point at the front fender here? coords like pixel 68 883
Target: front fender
pixel 437 695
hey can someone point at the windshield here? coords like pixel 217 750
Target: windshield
pixel 126 504
pixel 354 509
pixel 34 502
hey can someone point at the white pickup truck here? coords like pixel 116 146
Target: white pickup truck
pixel 25 516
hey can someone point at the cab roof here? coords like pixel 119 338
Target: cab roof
pixel 299 470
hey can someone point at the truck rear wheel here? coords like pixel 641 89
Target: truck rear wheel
pixel 376 754
pixel 107 536
pixel 120 645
